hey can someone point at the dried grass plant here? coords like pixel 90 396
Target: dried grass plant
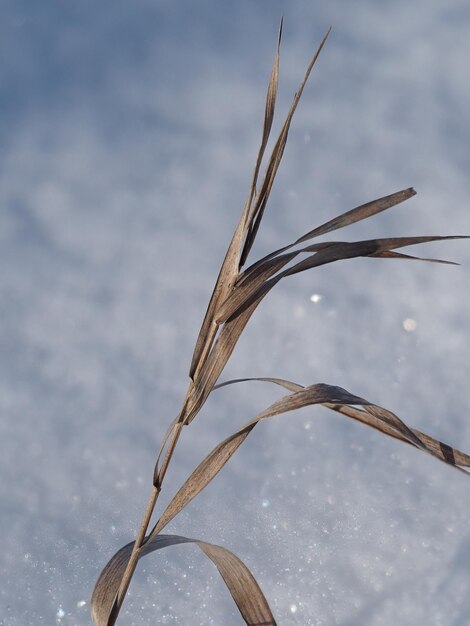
pixel 237 293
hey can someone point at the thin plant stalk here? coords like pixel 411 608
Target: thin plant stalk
pixel 141 535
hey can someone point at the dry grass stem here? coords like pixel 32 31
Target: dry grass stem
pixel 235 297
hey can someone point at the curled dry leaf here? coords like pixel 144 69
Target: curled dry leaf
pixel 445 453
pixel 334 398
pixel 241 583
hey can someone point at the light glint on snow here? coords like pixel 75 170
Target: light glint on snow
pixel 409 324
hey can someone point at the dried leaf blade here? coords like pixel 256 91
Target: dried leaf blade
pixel 230 266
pixel 359 213
pixel 240 582
pixel 204 473
pixel 443 451
pixel 257 281
pixel 259 205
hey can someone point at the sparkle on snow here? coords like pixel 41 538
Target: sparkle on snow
pixel 409 324
pixel 315 298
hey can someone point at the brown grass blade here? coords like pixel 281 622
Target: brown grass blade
pixel 347 250
pixel 282 382
pixel 253 286
pixel 361 212
pixel 217 359
pixel 255 283
pixel 443 451
pixel 409 257
pixel 225 281
pixel 337 395
pixel 220 455
pixel 261 199
pixel 251 217
pixel 202 476
pixel 230 265
pixel 271 98
pixel 241 583
pixel 350 217
pixel 251 283
pixel 235 297
pixel 234 294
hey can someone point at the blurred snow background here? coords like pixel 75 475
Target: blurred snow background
pixel 129 132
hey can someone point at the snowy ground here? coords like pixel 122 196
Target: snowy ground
pixel 129 130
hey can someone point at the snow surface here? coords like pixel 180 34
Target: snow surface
pixel 129 131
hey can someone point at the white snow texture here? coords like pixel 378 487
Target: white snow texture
pixel 129 132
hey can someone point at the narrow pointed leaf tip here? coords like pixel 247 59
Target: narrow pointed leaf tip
pixel 261 199
pixel 361 212
pixel 230 266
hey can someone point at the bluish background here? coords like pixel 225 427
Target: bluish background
pixel 129 132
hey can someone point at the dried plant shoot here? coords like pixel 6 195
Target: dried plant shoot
pixel 236 295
